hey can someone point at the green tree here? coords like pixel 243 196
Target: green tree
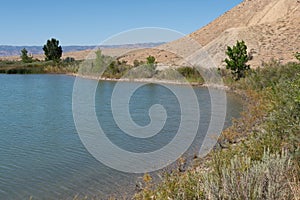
pixel 297 55
pixel 136 63
pixel 24 56
pixel 238 57
pixel 101 62
pixel 150 60
pixel 69 60
pixel 52 50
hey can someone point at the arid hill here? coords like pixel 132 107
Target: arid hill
pixel 270 28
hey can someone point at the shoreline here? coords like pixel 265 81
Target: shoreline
pixel 151 80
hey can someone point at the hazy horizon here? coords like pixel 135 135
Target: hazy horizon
pixel 31 23
pixel 82 45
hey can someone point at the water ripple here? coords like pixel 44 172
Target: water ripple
pixel 40 152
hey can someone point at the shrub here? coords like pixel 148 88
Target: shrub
pixel 297 55
pixel 170 74
pixel 116 69
pixel 137 63
pixel 96 66
pixel 245 170
pixel 269 178
pixel 143 71
pixel 150 60
pixel 238 57
pixel 269 75
pixel 69 60
pixel 191 74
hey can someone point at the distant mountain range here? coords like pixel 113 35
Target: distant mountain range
pixel 7 50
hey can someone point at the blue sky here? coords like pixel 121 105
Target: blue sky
pixel 79 22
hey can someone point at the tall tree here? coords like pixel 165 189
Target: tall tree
pixel 52 50
pixel 238 58
pixel 24 56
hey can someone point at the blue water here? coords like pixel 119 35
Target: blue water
pixel 41 155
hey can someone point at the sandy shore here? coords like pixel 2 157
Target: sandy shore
pixel 151 80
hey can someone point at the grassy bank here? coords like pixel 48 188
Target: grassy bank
pixel 106 66
pixel 112 68
pixel 38 67
pixel 258 156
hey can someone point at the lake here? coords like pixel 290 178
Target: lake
pixel 41 154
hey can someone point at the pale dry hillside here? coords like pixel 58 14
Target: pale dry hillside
pixel 270 28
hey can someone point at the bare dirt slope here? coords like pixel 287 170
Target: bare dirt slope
pixel 270 28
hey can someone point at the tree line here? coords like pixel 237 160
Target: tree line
pixel 236 61
pixel 52 50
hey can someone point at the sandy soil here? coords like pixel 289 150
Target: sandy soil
pixel 150 80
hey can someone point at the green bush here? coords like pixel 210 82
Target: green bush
pixel 97 66
pixel 143 71
pixel 269 75
pixel 297 55
pixel 151 60
pixel 170 74
pixel 137 63
pixel 238 57
pixel 191 74
pixel 69 60
pixel 116 70
pixel 241 168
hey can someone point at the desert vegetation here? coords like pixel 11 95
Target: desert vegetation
pixel 258 156
pixel 297 55
pixel 109 67
pixel 52 63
